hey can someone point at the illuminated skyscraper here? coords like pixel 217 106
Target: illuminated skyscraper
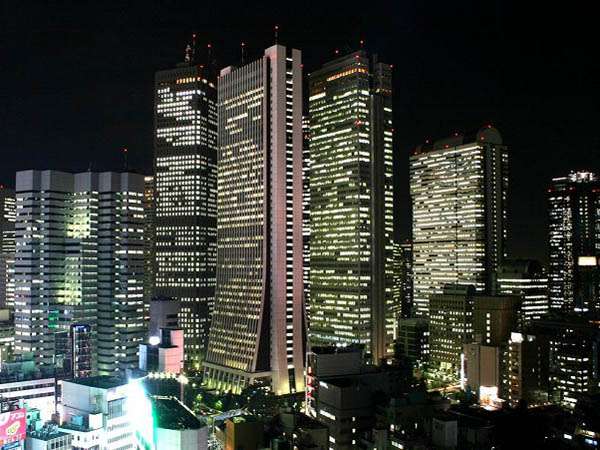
pixel 185 151
pixel 79 259
pixel 7 246
pixel 574 242
pixel 351 274
pixel 257 325
pixel 459 188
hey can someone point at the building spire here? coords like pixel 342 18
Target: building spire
pixel 190 51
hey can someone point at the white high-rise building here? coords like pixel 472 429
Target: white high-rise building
pixel 79 259
pixel 257 325
pixel 458 187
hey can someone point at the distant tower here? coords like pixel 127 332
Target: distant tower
pixel 458 188
pixel 149 231
pixel 402 291
pixel 351 201
pixel 7 246
pixel 574 242
pixel 257 324
pixel 185 183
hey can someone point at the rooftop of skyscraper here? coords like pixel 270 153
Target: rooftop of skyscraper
pixel 487 134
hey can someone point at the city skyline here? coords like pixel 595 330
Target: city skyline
pixel 317 225
pixel 444 81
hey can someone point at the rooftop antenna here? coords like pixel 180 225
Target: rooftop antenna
pixel 125 158
pixel 209 53
pixel 362 43
pixel 243 45
pixel 188 54
pixel 276 30
pixel 193 47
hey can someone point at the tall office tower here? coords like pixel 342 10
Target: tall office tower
pixel 257 325
pixel 306 213
pixel 450 326
pixel 185 168
pixel 79 259
pixel 149 253
pixel 7 246
pixel 351 204
pixel 458 187
pixel 574 241
pixel 526 279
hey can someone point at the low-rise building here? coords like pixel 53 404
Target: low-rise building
pixel 176 427
pixel 30 390
pixel 108 397
pixel 86 430
pixel 48 437
pixel 163 353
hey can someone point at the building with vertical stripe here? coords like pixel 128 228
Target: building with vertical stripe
pixel 257 330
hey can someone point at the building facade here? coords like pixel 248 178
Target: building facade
pixel 257 330
pixel 458 187
pixel 574 242
pixel 351 201
pixel 79 259
pixel 185 183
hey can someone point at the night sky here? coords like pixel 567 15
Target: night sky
pixel 76 81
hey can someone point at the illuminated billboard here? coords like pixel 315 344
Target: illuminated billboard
pixel 13 427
